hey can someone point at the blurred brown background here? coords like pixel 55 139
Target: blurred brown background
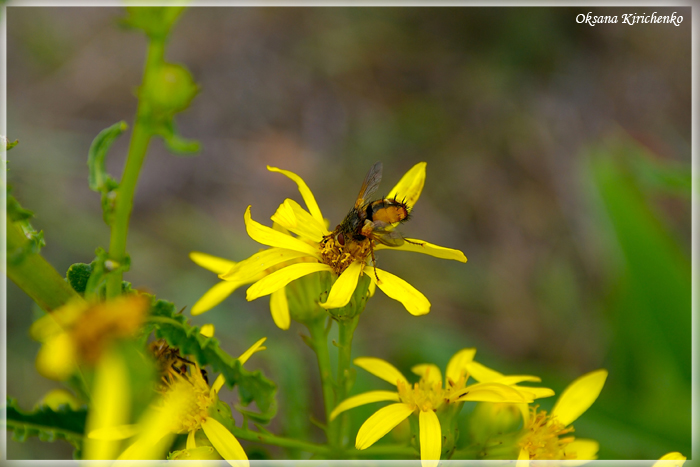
pixel 504 104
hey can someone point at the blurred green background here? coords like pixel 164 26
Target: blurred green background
pixel 558 161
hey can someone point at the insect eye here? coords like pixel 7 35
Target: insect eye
pixel 341 239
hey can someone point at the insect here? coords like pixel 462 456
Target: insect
pixel 170 362
pixel 368 223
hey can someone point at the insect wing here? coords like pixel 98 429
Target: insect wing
pixel 386 237
pixel 392 238
pixel 369 185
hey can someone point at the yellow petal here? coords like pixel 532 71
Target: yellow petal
pixel 534 393
pixel 410 186
pixel 579 396
pixel 524 411
pixel 296 219
pixel 279 308
pixel 430 438
pixel 253 348
pixel 482 373
pixel 372 289
pixel 218 384
pixel 152 447
pixel 271 237
pixel 344 287
pixel 110 405
pixel 492 392
pixel 421 246
pixel 381 423
pixel 57 357
pixel 523 458
pixel 511 380
pixel 381 369
pixel 260 264
pixel 225 443
pixel 428 372
pixel 415 302
pixel 672 459
pixel 112 433
pixel 306 194
pixel 214 296
pixel 211 263
pixel 207 330
pixel 458 363
pixel 362 399
pixel 284 276
pixel 585 449
pixel 191 444
pixel 58 320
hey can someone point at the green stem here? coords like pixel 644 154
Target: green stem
pixel 280 441
pixel 385 450
pixel 138 146
pixel 35 276
pixel 346 330
pixel 319 343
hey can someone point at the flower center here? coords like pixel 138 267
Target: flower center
pixel 188 399
pixel 339 250
pixel 542 438
pixel 423 395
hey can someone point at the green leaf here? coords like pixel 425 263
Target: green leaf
pixel 98 178
pixel 78 275
pixel 252 385
pixel 15 212
pixel 46 423
pixel 10 144
pixel 176 143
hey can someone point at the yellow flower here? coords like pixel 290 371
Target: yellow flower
pixel 672 459
pixel 302 245
pixel 185 407
pixel 427 396
pixel 79 332
pixel 543 432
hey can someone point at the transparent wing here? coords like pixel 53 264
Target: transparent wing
pixel 369 185
pixel 387 237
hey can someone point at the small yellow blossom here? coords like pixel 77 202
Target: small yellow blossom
pixel 184 407
pixel 427 396
pixel 547 435
pixel 298 247
pixel 672 459
pixel 79 332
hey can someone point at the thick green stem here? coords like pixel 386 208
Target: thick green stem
pixel 35 276
pixel 319 343
pixel 280 441
pixel 346 330
pixel 138 146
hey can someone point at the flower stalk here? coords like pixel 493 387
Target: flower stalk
pixel 138 147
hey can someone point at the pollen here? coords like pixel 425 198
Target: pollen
pixel 191 398
pixel 424 395
pixel 339 256
pixel 542 440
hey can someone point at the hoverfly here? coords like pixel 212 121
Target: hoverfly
pixel 368 223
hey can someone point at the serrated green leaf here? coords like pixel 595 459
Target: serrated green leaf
pixel 252 385
pixel 48 424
